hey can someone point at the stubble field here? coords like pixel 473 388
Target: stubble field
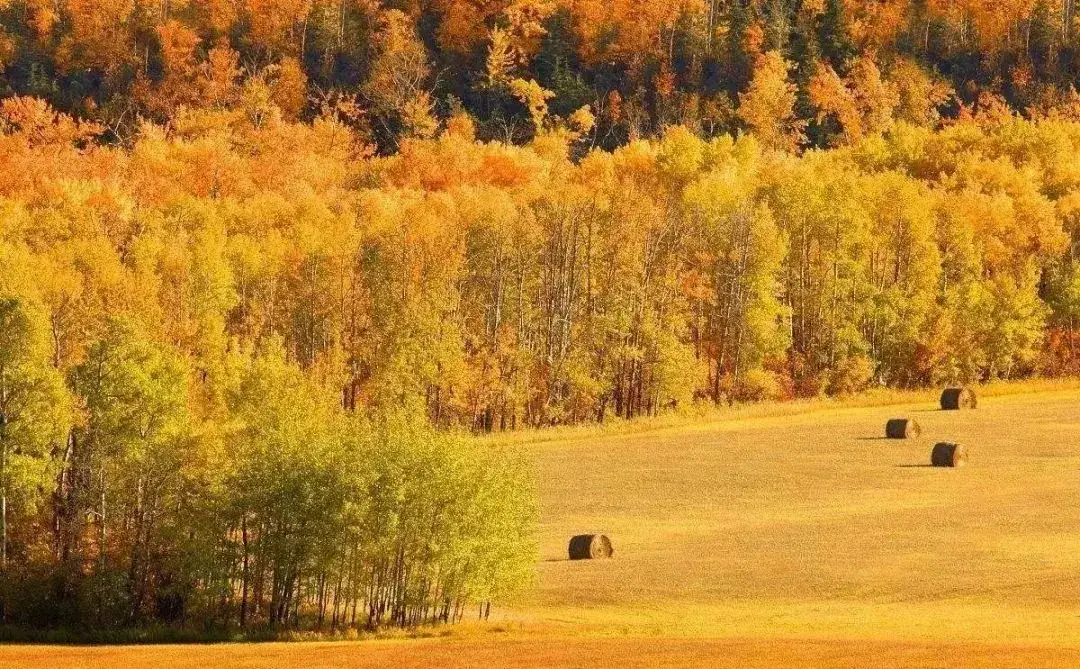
pixel 791 540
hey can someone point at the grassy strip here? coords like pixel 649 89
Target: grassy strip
pixel 704 414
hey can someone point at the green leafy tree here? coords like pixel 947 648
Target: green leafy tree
pixel 132 452
pixel 35 414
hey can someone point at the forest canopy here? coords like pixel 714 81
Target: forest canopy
pixel 491 286
pixel 838 68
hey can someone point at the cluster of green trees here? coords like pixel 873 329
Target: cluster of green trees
pixel 639 65
pixel 134 493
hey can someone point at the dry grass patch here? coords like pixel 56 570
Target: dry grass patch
pixel 770 540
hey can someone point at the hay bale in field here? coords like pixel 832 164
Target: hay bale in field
pixel 591 547
pixel 902 428
pixel 954 399
pixel 948 455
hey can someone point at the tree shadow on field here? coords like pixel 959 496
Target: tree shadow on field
pixel 872 439
pixel 914 466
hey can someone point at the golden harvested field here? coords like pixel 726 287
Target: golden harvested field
pixel 796 540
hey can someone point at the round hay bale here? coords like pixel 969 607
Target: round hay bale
pixel 948 455
pixel 902 428
pixel 955 399
pixel 591 547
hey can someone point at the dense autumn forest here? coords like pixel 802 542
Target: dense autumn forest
pixel 638 66
pixel 262 260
